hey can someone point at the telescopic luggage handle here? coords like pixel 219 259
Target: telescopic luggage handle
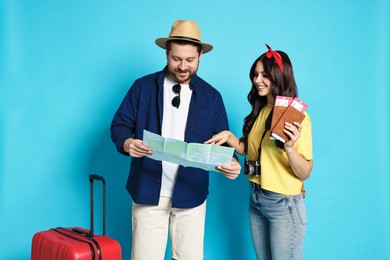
pixel 93 177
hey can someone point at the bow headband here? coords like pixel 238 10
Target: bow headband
pixel 270 53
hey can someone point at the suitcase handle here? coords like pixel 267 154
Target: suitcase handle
pixel 82 232
pixel 93 177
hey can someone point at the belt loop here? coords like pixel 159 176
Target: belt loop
pixel 255 186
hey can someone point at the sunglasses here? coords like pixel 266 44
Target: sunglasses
pixel 176 100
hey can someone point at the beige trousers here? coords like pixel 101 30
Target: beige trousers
pixel 150 231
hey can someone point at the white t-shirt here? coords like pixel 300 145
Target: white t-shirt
pixel 173 126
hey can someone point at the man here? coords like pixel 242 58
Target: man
pixel 174 103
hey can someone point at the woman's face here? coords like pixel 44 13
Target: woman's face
pixel 262 83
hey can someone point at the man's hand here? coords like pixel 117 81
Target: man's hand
pixel 230 171
pixel 136 148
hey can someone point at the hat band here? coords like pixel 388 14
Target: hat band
pixel 186 38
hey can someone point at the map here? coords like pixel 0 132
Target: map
pixel 204 156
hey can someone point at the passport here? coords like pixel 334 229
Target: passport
pixel 289 110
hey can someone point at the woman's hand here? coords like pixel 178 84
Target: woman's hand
pixel 229 138
pixel 220 138
pixel 300 166
pixel 294 132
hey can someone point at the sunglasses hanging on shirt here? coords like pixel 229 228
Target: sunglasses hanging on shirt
pixel 176 100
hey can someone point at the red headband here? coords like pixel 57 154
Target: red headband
pixel 270 53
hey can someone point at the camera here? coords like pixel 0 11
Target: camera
pixel 252 168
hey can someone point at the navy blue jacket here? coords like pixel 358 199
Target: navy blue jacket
pixel 142 108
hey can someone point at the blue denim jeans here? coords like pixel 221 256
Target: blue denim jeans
pixel 277 224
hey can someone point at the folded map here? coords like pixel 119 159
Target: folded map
pixel 204 156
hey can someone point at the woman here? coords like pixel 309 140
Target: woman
pixel 277 210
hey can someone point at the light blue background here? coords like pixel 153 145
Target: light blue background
pixel 66 65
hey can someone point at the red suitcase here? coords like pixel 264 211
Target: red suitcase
pixel 77 243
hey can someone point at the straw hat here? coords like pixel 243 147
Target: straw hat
pixel 186 30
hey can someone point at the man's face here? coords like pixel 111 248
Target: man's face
pixel 183 62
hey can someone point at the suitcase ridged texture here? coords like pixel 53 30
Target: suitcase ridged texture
pixel 52 245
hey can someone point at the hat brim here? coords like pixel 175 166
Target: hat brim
pixel 161 42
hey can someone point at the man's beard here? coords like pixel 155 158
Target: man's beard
pixel 175 75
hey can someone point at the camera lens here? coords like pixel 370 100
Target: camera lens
pixel 249 169
pixel 252 168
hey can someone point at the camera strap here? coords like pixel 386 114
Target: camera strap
pixel 267 126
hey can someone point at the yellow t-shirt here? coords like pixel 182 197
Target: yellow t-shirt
pixel 276 173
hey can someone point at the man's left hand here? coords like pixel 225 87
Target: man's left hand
pixel 230 171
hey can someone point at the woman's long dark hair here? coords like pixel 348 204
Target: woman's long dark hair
pixel 283 84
